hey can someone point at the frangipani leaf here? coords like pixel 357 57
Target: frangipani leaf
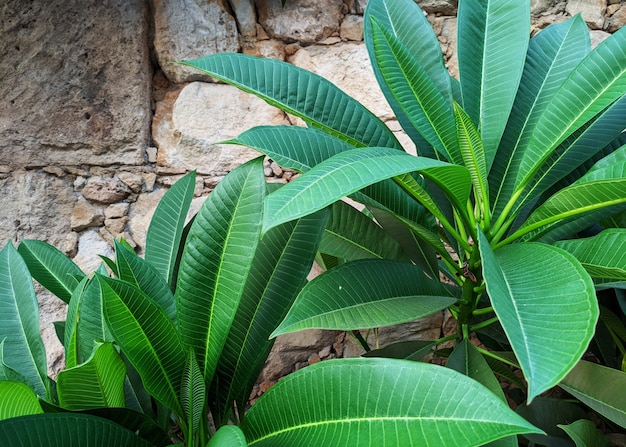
pixel 316 100
pixel 166 227
pixel 216 262
pixel 492 38
pixel 23 348
pixel 585 434
pixel 228 436
pixel 147 337
pixel 66 430
pixel 603 255
pixel 394 402
pixel 99 382
pixel 192 393
pixel 51 268
pixel 365 294
pixel 543 297
pixel 597 386
pixel 350 171
pixel 17 399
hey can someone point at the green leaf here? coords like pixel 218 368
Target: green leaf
pixel 414 350
pixel 350 171
pixel 147 337
pixel 352 235
pixel 585 434
pixel 316 100
pixel 552 54
pixel 192 393
pixel 596 385
pixel 603 255
pixel 216 262
pixel 365 294
pixel 408 25
pixel 84 322
pixel 547 414
pixel 493 38
pixel 17 399
pixel 166 227
pixel 414 92
pixel 132 268
pixel 228 436
pixel 374 402
pixel 292 147
pixel 473 154
pixel 99 382
pixel 594 84
pixel 279 271
pixel 51 268
pixel 572 203
pixel 23 351
pixel 542 297
pixel 66 430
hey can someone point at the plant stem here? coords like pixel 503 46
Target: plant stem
pixel 497 357
pixel 361 340
pixel 484 324
pixel 483 311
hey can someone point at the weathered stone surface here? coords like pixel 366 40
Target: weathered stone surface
pixel 591 10
pixel 305 21
pixel 85 215
pixel 75 82
pixel 187 126
pixel 267 48
pixel 133 181
pixel 597 37
pixel 245 14
pixel 617 19
pixel 438 6
pixel 352 28
pixel 347 66
pixel 189 29
pixel 104 190
pixel 35 205
pixel 90 246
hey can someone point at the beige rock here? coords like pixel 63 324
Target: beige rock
pixel 86 215
pixel 305 21
pixel 116 210
pixel 597 37
pixel 352 28
pixel 592 11
pixel 90 246
pixel 202 115
pixel 116 226
pixel 267 48
pixel 189 29
pixel 438 6
pixel 133 181
pixel 75 82
pixel 104 190
pixel 617 19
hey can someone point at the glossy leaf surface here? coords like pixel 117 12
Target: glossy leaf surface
pixel 17 399
pixel 365 294
pixel 542 297
pixel 394 402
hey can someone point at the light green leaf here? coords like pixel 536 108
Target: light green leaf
pixel 543 298
pixel 66 430
pixel 99 382
pixel 70 333
pixel 192 393
pixel 603 255
pixel 228 436
pixel 596 385
pixel 365 294
pixel 147 337
pixel 350 171
pixel 493 37
pixel 414 92
pixel 216 262
pixel 279 271
pixel 131 268
pixel 551 55
pixel 594 84
pixel 17 399
pixel 585 434
pixel 51 268
pixel 472 154
pixel 376 402
pixel 352 235
pixel 166 227
pixel 316 100
pixel 24 351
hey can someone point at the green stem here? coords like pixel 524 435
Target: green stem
pixel 497 357
pixel 484 324
pixel 361 340
pixel 483 311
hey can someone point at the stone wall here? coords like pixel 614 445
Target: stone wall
pixel 96 121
